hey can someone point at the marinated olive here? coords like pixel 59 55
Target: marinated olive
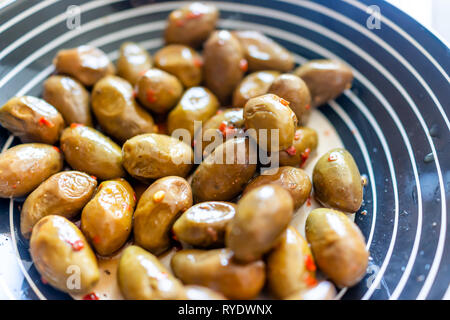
pixel 305 142
pixel 69 97
pixel 326 79
pixel 25 166
pixel 152 156
pixel 290 265
pixel 203 225
pixel 293 89
pixel 62 255
pixel 261 216
pixel 133 62
pixel 88 150
pixel 272 115
pixel 294 180
pixel 181 61
pixel 63 194
pixel 337 182
pixel 106 220
pixel 87 64
pixel 160 205
pixel 32 120
pixel 158 90
pixel 117 112
pixel 224 64
pixel 262 53
pixel 142 277
pixel 194 292
pixel 226 124
pixel 338 246
pixel 253 85
pixel 224 173
pixel 324 290
pixel 196 104
pixel 191 24
pixel 216 270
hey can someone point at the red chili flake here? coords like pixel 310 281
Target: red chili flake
pixel 326 132
pixel 194 15
pixel 219 111
pixel 364 212
pixel 226 129
pixel 310 280
pixel 91 296
pixel 77 245
pixel 56 149
pixel 46 122
pixel 332 157
pixel 308 202
pixel 14 186
pixel 134 196
pixel 284 102
pixel 96 239
pixel 309 263
pixel 307 107
pixel 143 72
pixel 94 177
pixel 179 22
pixel 198 62
pixel 305 156
pixel 291 151
pixel 134 93
pixel 150 95
pixel 243 65
pixel 43 280
pixel 297 135
pixel 353 131
pixel 74 125
pixel 194 142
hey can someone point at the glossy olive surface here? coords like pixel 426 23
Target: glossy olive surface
pixel 217 270
pixel 64 194
pixel 157 210
pixel 253 85
pixel 133 61
pixel 305 142
pixel 62 255
pixel 32 120
pixel 25 166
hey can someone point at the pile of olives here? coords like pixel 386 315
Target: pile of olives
pixel 104 173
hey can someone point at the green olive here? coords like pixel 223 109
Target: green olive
pixel 294 180
pixel 226 124
pixel 115 109
pixel 337 182
pixel 261 216
pixel 196 104
pixel 133 61
pixel 326 79
pixel 194 292
pixel 25 166
pixel 141 276
pixel 87 64
pixel 88 150
pixel 62 255
pixel 107 219
pixel 203 225
pixel 224 64
pixel 69 97
pixel 181 61
pixel 158 90
pixel 222 176
pixel 216 270
pixel 64 193
pixel 191 24
pixel 262 53
pixel 305 142
pixel 158 208
pixel 153 156
pixel 294 90
pixel 338 246
pixel 272 122
pixel 290 266
pixel 324 290
pixel 253 85
pixel 32 120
